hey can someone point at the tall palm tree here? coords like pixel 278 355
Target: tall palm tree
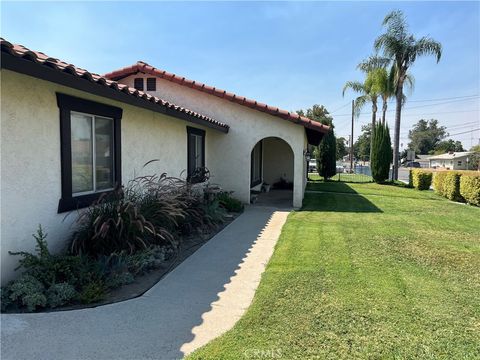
pixel 402 47
pixel 382 80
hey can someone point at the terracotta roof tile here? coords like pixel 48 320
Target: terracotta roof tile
pixel 142 66
pixel 38 57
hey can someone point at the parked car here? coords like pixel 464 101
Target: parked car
pixel 340 169
pixel 312 165
pixel 413 164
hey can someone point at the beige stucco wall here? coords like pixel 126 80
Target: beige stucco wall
pixel 30 158
pixel 277 160
pixel 230 156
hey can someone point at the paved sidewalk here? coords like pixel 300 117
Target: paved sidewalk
pixel 198 301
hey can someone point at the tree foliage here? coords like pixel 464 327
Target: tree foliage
pixel 317 113
pixel 361 147
pixel 448 145
pixel 474 162
pixel 425 136
pixel 381 153
pixel 326 156
pixel 341 148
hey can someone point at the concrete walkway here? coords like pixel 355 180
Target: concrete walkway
pixel 198 301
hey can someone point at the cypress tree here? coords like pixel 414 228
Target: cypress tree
pixel 327 155
pixel 381 153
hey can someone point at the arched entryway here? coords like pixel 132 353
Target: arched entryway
pixel 272 172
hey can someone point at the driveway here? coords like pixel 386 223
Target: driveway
pixel 199 300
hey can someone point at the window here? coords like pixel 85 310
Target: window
pixel 90 150
pixel 138 84
pixel 459 163
pixel 195 154
pixel 152 84
pixel 256 165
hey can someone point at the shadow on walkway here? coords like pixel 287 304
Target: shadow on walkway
pixel 160 324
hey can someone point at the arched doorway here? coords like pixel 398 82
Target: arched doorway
pixel 272 172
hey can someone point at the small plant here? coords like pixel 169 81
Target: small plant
pixel 60 294
pixel 27 291
pixel 93 292
pixel 230 203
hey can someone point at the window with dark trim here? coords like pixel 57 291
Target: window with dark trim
pixel 90 150
pixel 195 155
pixel 138 84
pixel 152 84
pixel 256 165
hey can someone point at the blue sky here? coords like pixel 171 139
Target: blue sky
pixel 291 55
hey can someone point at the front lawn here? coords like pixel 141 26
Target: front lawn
pixel 366 271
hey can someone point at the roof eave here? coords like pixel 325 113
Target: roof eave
pixel 40 71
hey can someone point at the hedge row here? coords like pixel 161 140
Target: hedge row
pixel 463 186
pixel 420 179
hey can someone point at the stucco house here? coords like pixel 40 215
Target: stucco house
pixel 451 160
pixel 68 135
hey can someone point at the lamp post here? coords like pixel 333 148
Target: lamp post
pixel 307 159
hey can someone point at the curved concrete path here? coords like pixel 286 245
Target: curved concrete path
pixel 199 300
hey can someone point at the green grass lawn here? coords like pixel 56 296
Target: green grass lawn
pixel 366 271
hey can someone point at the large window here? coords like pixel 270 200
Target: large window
pixel 256 165
pixel 90 151
pixel 196 154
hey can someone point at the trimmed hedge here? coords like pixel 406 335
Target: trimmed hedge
pixel 421 179
pixel 470 188
pixel 451 186
pixel 438 182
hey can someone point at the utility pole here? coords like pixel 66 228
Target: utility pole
pixel 351 139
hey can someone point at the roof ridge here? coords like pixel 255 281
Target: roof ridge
pixel 241 100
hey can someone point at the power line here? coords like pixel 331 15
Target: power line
pixel 439 99
pixel 465 132
pixel 341 107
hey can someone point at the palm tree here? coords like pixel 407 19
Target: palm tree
pixel 382 81
pixel 367 95
pixel 403 49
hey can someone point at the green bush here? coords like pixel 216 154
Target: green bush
pixel 451 186
pixel 230 203
pixel 27 291
pixel 439 182
pixel 470 188
pixel 421 179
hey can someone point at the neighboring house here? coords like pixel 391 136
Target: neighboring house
pixel 451 160
pixel 423 160
pixel 69 135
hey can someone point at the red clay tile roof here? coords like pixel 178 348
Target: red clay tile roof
pixel 40 58
pixel 143 67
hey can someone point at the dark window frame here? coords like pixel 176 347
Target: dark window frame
pixel 149 84
pixel 191 176
pixel 255 182
pixel 138 86
pixel 67 104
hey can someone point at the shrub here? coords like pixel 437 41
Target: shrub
pixel 451 186
pixel 381 153
pixel 439 182
pixel 470 188
pixel 421 179
pixel 93 292
pixel 27 291
pixel 230 203
pixel 60 294
pixel 327 156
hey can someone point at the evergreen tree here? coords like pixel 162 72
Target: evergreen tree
pixel 381 153
pixel 326 156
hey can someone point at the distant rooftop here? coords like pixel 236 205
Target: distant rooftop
pixel 451 156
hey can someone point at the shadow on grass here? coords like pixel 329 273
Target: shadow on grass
pixel 336 197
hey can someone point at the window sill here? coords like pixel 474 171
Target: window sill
pixel 79 202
